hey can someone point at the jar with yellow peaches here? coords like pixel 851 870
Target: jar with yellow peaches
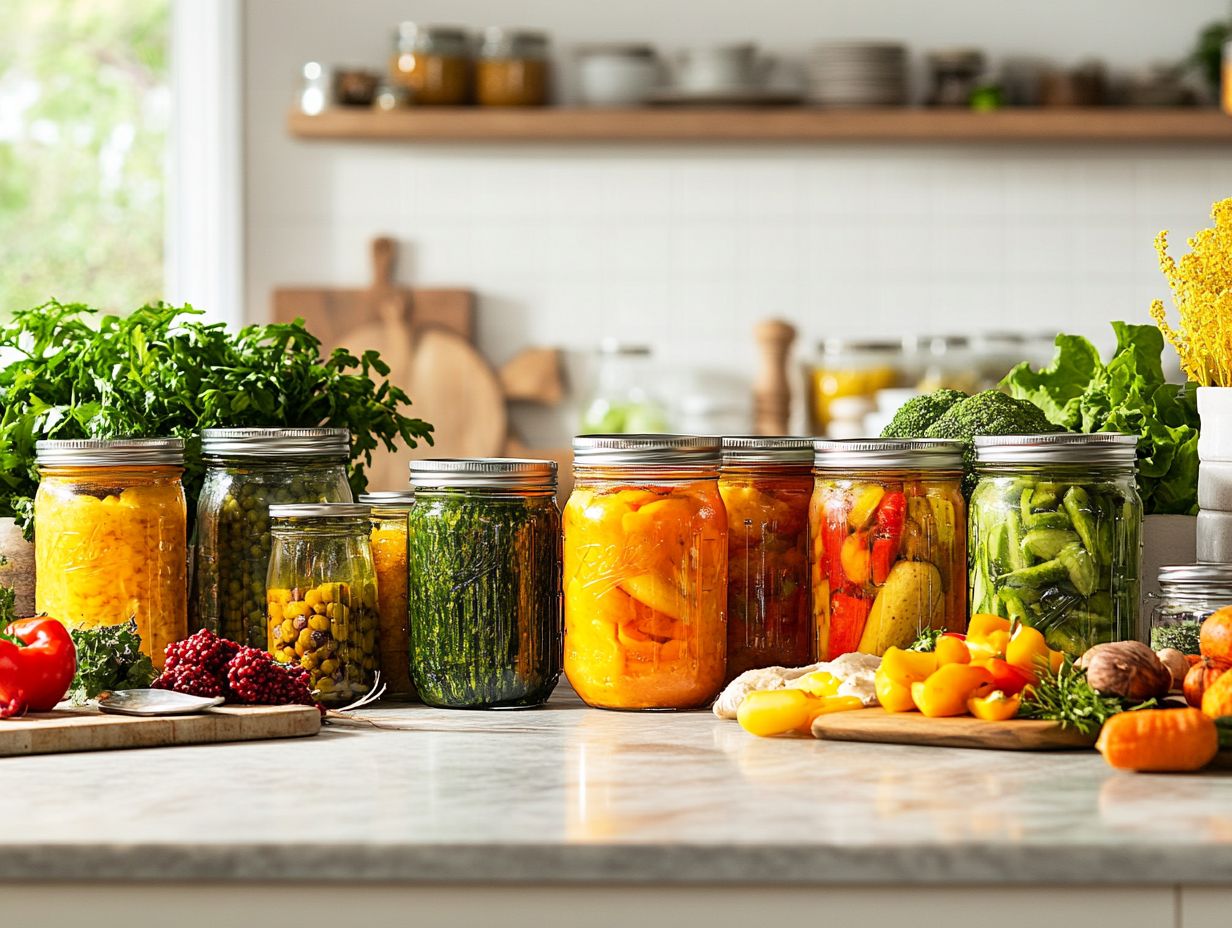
pixel 321 605
pixel 389 545
pixel 766 484
pixel 110 536
pixel 887 530
pixel 645 572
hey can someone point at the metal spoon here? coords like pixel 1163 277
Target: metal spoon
pixel 155 702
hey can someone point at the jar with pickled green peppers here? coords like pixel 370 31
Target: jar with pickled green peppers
pixel 887 535
pixel 1056 528
pixel 483 568
pixel 247 471
pixel 389 548
pixel 766 484
pixel 321 602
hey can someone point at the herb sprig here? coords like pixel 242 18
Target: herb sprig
pixel 1068 698
pixel 109 658
pixel 162 372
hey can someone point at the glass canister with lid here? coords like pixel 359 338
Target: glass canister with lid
pixel 321 607
pixel 849 372
pixel 1056 527
pixel 512 68
pixel 483 569
pixel 1188 593
pixel 389 548
pixel 109 541
pixel 645 573
pixel 887 529
pixel 246 471
pixel 432 63
pixel 766 485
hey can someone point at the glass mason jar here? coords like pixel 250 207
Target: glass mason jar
pixel 246 471
pixel 321 608
pixel 389 546
pixel 766 485
pixel 646 572
pixel 887 528
pixel 623 400
pixel 432 63
pixel 1056 527
pixel 484 565
pixel 109 542
pixel 850 369
pixel 512 68
pixel 1188 593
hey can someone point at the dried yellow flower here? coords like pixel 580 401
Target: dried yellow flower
pixel 1201 284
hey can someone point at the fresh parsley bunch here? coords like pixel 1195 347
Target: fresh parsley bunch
pixel 70 372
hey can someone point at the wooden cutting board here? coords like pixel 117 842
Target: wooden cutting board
pixel 68 730
pixel 877 725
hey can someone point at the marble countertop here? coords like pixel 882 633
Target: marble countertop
pixel 570 794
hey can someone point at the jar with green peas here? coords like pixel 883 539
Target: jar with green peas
pixel 321 605
pixel 247 471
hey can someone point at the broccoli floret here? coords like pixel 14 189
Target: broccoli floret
pixel 916 415
pixel 988 413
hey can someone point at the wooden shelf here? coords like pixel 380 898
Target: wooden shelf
pixel 779 124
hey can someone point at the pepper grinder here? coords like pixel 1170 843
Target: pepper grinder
pixel 771 390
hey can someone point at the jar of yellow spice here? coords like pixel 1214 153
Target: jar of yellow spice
pixel 389 540
pixel 110 536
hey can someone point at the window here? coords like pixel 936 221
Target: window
pixel 85 101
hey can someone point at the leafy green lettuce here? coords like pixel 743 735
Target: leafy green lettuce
pixel 1079 392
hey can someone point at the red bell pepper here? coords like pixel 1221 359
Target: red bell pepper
pixel 890 515
pixel 847 617
pixel 37 663
pixel 1009 679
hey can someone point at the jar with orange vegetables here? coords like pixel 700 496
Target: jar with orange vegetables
pixel 110 536
pixel 766 485
pixel 887 530
pixel 389 549
pixel 645 572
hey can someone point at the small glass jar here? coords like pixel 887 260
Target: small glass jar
pixel 1056 529
pixel 432 63
pixel 246 471
pixel 512 69
pixel 389 546
pixel 623 399
pixel 887 527
pixel 646 572
pixel 1188 593
pixel 850 369
pixel 321 608
pixel 110 537
pixel 484 565
pixel 766 485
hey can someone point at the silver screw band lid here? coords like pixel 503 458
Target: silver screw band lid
pixel 276 442
pixel 653 450
pixel 98 452
pixel 483 473
pixel 887 454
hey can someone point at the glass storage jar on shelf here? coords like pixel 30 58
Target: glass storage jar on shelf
pixel 321 608
pixel 1056 527
pixel 389 546
pixel 766 485
pixel 512 68
pixel 887 525
pixel 1188 593
pixel 247 470
pixel 432 63
pixel 850 369
pixel 484 568
pixel 109 541
pixel 646 572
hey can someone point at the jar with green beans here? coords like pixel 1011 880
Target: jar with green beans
pixel 247 471
pixel 483 563
pixel 1055 536
pixel 321 606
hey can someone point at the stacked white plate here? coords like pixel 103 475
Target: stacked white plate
pixel 857 74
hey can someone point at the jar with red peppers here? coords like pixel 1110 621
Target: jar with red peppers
pixel 766 484
pixel 887 529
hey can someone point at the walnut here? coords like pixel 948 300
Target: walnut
pixel 1128 669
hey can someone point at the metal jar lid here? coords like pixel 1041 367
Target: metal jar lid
pixel 276 443
pixel 653 450
pixel 320 511
pixel 1213 578
pixel 446 41
pixel 1056 448
pixel 502 42
pixel 768 449
pixel 887 454
pixel 384 499
pixel 97 452
pixel 483 473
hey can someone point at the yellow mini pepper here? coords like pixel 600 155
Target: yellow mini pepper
pixel 951 650
pixel 781 712
pixel 987 636
pixel 995 707
pixel 899 669
pixel 947 691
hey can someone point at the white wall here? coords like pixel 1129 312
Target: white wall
pixel 689 245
